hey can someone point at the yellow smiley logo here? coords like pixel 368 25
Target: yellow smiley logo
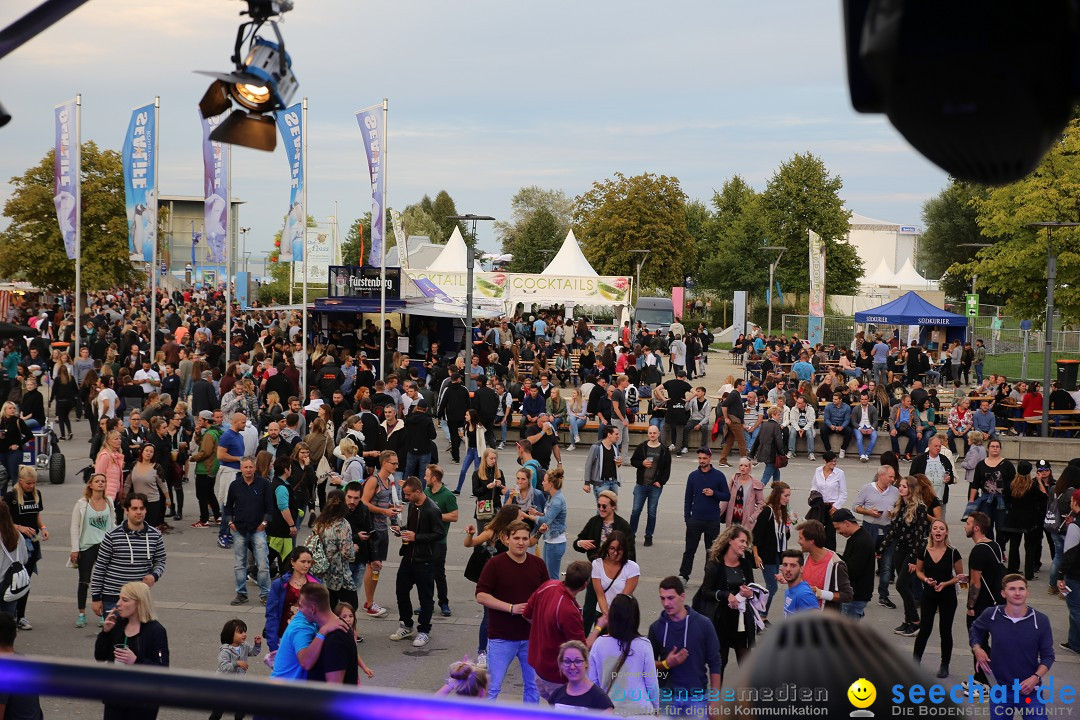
pixel 862 693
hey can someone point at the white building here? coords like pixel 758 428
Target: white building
pixel 878 240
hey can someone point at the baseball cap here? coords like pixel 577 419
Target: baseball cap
pixel 206 415
pixel 1042 465
pixel 843 515
pixel 422 404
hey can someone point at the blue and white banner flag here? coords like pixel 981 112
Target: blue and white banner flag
pixel 370 121
pixel 140 185
pixel 216 184
pixel 66 175
pixel 290 124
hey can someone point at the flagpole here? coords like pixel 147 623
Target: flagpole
pixel 78 220
pixel 307 258
pixel 154 256
pixel 228 253
pixel 382 248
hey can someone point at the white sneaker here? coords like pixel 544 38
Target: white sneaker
pixel 375 611
pixel 842 454
pixel 501 446
pixel 671 447
pixel 810 456
pixel 421 640
pixel 402 632
pixel 481 660
pixel 864 458
pixel 570 447
pixel 24 624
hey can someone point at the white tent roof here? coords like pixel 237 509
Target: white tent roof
pixel 882 275
pixel 454 257
pixel 569 260
pixel 908 275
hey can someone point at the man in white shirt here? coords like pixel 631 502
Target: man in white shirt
pixel 147 378
pixel 678 354
pixel 875 502
pixel 831 482
pixel 106 400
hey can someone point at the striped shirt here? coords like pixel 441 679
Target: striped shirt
pixel 125 556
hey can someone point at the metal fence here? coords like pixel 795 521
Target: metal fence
pixel 1004 340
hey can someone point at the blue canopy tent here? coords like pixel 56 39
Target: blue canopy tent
pixel 910 309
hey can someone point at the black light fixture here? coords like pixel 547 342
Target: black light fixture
pixel 980 89
pixel 5 116
pixel 261 84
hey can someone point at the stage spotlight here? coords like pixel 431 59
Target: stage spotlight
pixel 261 84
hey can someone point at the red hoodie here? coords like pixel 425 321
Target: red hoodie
pixel 556 618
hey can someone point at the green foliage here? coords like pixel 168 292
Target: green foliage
pixel 641 212
pixel 540 233
pixel 952 221
pixel 1016 267
pixel 350 246
pixel 32 248
pixel 536 214
pixel 729 256
pixel 440 209
pixel 800 196
pixel 699 224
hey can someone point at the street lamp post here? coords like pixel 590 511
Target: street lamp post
pixel 470 254
pixel 644 252
pixel 243 245
pixel 1048 338
pixel 772 273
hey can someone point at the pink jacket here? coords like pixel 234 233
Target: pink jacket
pixel 752 503
pixel 111 465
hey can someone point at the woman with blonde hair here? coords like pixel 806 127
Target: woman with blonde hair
pixel 940 567
pixel 576 416
pixel 14 433
pixel 352 467
pixel 556 406
pixel 91 520
pixel 907 534
pixel 110 463
pixel 26 507
pixel 465 680
pixel 132 635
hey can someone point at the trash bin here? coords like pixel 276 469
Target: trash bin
pixel 1066 374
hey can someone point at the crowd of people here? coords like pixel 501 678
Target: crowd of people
pixel 312 487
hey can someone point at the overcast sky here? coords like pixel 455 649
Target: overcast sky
pixel 485 97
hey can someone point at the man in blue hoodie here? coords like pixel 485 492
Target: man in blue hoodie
pixel 687 655
pixel 704 504
pixel 1025 649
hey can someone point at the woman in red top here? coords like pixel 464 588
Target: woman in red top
pixel 1031 405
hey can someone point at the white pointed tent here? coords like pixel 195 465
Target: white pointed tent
pixel 570 260
pixel 882 275
pixel 454 257
pixel 908 276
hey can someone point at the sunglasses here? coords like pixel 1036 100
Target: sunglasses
pixel 602 506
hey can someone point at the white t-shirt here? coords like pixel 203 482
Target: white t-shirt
pixel 143 376
pixel 108 395
pixel 611 587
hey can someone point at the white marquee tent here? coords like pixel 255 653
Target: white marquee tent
pixel 570 260
pixel 454 257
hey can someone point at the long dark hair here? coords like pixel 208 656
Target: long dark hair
pixel 780 512
pixel 287 565
pixel 506 515
pixel 616 536
pixel 334 510
pixel 624 619
pixel 8 534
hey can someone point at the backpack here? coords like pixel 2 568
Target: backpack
pixel 16 581
pixel 320 564
pixel 1052 521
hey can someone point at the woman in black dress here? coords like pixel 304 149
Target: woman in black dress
pixel 940 567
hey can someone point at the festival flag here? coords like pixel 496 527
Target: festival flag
pixel 370 121
pixel 66 174
pixel 291 125
pixel 216 184
pixel 815 332
pixel 140 185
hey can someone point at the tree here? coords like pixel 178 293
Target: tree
pixel 441 209
pixel 32 248
pixel 526 203
pixel 699 223
pixel 801 196
pixel 645 211
pixel 1016 267
pixel 540 233
pixel 738 231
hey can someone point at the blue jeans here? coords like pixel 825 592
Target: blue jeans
pixel 751 437
pixel 1059 548
pixel 793 439
pixel 575 427
pixel 256 542
pixel 553 555
pixel 885 563
pixel 612 485
pixel 658 422
pixel 855 609
pixel 870 440
pixel 642 493
pixel 11 461
pixel 471 458
pixel 881 373
pixel 771 472
pixel 500 654
pixel 768 572
pixel 978 373
pixel 416 464
pixel 1072 601
pixel 502 440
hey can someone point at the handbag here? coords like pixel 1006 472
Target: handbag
pixel 780 461
pixel 479 558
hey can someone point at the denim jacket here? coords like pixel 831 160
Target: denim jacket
pixel 555 515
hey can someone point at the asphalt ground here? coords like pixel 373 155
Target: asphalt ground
pixel 193 597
